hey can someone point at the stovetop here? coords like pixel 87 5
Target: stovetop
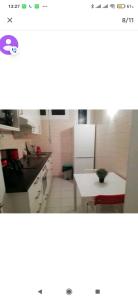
pixel 32 165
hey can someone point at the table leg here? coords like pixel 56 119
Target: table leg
pixel 75 196
pixel 82 205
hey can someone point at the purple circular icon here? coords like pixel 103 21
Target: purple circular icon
pixel 7 42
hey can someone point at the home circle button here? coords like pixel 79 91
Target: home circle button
pixel 69 291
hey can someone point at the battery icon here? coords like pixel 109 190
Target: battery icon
pixel 121 6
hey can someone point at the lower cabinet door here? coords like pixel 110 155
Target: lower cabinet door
pixel 35 200
pixel 49 182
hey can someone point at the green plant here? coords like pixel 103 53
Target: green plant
pixel 101 173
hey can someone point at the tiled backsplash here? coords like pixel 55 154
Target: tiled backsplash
pixel 11 140
pixel 112 140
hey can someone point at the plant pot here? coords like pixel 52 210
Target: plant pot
pixel 101 179
pixel 101 173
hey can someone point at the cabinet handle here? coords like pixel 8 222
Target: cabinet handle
pixel 37 180
pixel 44 168
pixel 39 192
pixel 39 208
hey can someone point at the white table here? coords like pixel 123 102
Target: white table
pixel 89 186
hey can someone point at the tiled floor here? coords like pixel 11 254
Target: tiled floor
pixel 61 199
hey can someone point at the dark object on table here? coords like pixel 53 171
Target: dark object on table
pixel 101 173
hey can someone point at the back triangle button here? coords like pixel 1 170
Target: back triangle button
pixel 40 292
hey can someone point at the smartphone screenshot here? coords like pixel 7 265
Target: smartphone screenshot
pixel 68 149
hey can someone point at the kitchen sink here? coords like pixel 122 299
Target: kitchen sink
pixel 42 154
pixel 33 161
pixel 28 167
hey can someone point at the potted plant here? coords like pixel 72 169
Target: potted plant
pixel 101 173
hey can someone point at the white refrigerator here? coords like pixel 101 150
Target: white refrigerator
pixel 84 148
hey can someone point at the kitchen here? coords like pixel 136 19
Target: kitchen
pixel 42 149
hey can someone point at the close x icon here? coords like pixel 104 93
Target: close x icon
pixel 9 20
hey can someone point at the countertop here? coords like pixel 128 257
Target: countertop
pixel 21 181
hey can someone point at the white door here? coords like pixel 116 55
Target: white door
pixel 84 139
pixel 81 165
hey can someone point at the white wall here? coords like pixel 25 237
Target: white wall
pixel 112 140
pixel 9 140
pixel 131 201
